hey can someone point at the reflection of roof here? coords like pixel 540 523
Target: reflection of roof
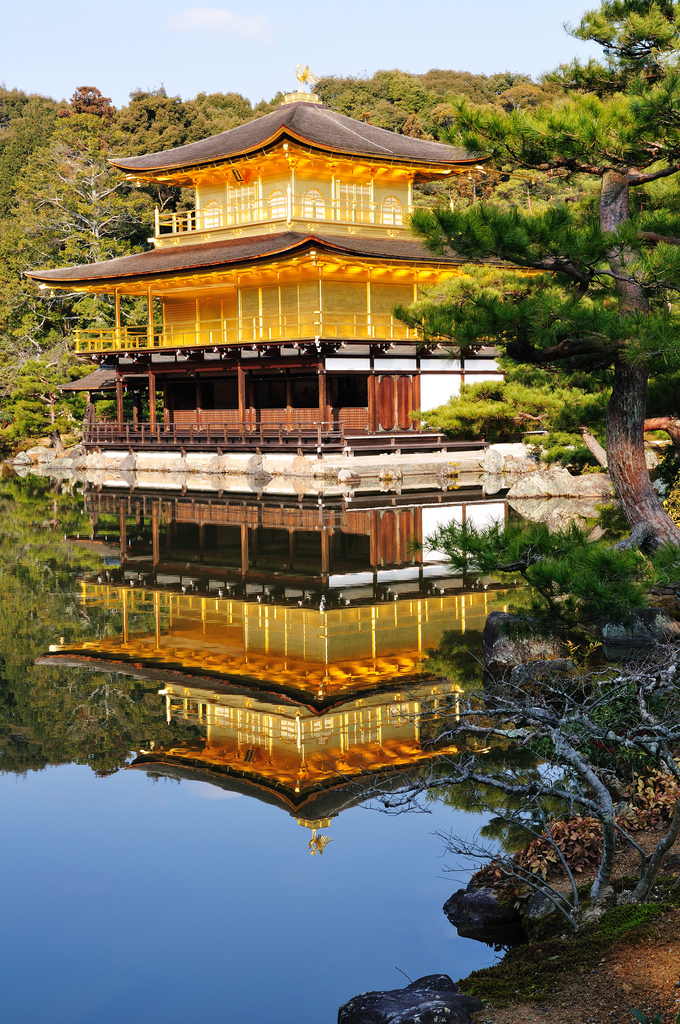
pixel 339 794
pixel 265 686
pixel 310 123
pixel 233 251
pixel 323 803
pixel 102 379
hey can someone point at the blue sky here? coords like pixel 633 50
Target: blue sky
pixel 53 46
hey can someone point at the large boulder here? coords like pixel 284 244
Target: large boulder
pixel 648 626
pixel 492 461
pixel 501 652
pixel 434 999
pixel 478 914
pixel 559 483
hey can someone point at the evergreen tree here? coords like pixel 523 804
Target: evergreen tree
pixel 607 270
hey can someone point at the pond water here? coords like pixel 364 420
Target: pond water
pixel 195 694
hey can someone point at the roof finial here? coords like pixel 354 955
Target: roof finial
pixel 305 76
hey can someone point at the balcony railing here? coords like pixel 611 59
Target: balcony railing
pixel 307 437
pixel 286 327
pixel 288 207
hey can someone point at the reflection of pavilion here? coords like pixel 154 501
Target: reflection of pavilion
pixel 312 765
pixel 312 601
pixel 293 634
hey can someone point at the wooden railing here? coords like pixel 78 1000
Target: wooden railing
pixel 285 207
pixel 309 437
pixel 285 327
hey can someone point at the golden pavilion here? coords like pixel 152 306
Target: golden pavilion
pixel 277 292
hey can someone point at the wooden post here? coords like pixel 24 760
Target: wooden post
pixel 241 378
pixel 149 308
pixel 119 398
pixel 117 302
pixel 289 390
pixel 416 398
pixel 155 533
pixel 244 548
pixel 122 529
pixel 325 552
pixel 199 401
pixel 152 398
pixel 372 403
pixel 322 392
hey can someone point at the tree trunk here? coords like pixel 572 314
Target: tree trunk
pixel 646 883
pixel 626 410
pixel 626 455
pixel 55 438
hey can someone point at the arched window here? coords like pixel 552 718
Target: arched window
pixel 277 203
pixel 212 216
pixel 313 205
pixel 391 211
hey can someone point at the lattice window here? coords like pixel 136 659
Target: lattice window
pixel 390 211
pixel 277 203
pixel 179 311
pixel 212 216
pixel 313 205
pixel 243 198
pixel 355 201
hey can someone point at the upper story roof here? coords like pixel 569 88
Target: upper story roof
pixel 308 123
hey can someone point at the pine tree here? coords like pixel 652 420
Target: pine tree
pixel 605 294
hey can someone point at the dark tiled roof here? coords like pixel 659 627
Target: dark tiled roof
pixel 102 379
pixel 308 122
pixel 178 258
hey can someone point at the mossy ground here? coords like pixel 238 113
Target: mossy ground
pixel 531 973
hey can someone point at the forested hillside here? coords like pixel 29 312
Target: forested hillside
pixel 61 202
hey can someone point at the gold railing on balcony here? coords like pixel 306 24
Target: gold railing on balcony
pixel 246 331
pixel 286 208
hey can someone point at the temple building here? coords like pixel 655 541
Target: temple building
pixel 270 302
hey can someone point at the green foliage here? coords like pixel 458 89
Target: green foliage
pixel 575 584
pixel 53 715
pixel 529 399
pixel 656 1019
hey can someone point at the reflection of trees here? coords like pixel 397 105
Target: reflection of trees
pixel 48 715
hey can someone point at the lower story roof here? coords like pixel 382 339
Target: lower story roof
pixel 234 251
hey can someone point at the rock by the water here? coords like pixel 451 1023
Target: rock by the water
pixel 434 999
pixel 648 626
pixel 559 483
pixel 519 466
pixel 129 463
pixel 501 653
pixel 477 914
pixel 492 461
pixel 348 478
pixel 22 459
pixel 556 512
pixel 39 453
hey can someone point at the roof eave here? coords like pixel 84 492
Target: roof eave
pixel 286 134
pixel 307 242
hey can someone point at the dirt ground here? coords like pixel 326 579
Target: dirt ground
pixel 644 977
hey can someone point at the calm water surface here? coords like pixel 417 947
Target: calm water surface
pixel 193 694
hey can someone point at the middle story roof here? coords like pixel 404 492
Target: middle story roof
pixel 234 252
